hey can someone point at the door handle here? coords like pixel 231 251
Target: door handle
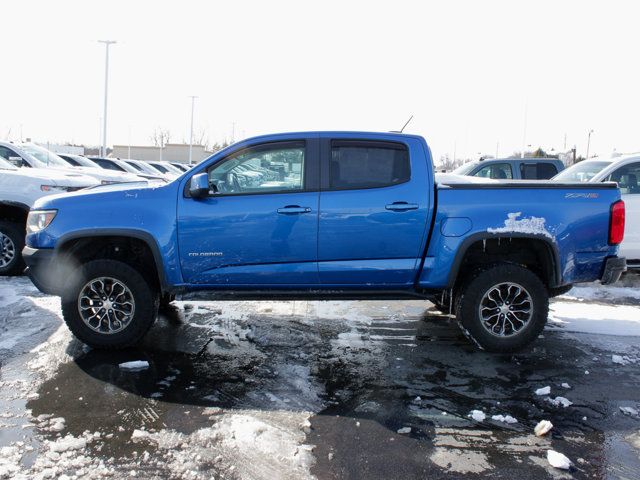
pixel 401 206
pixel 290 209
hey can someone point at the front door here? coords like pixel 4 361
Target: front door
pixel 259 225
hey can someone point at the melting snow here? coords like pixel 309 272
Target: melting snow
pixel 543 391
pixel 504 418
pixel 477 415
pixel 532 225
pixel 135 365
pixel 404 430
pixel 559 401
pixel 558 460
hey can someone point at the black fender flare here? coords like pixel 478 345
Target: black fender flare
pixel 146 237
pixel 552 252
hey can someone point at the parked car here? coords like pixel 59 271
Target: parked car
pixel 19 189
pixel 625 170
pixel 512 168
pixel 349 216
pixel 144 167
pixel 30 155
pixel 166 168
pixel 180 166
pixel 118 165
pixel 107 176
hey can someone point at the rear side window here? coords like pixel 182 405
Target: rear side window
pixel 627 178
pixel 496 171
pixel 368 164
pixel 538 171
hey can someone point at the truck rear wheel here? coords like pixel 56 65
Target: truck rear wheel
pixel 109 305
pixel 502 308
pixel 11 244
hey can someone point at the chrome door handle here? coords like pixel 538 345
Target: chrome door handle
pixel 401 206
pixel 293 209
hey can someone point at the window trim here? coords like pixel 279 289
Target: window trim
pixel 310 179
pixel 325 153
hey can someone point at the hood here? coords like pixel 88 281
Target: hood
pixel 59 177
pixel 101 193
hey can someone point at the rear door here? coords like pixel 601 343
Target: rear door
pixel 374 205
pixel 627 177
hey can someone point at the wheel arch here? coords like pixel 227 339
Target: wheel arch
pixel 70 242
pixel 541 246
pixel 14 211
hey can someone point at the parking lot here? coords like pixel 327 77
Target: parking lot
pixel 319 389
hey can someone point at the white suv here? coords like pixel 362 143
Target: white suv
pixel 625 170
pixel 19 189
pixel 30 155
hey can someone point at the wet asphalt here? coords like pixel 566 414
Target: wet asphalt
pixel 362 381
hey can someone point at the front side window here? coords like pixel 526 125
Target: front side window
pixel 627 179
pixel 496 171
pixel 264 169
pixel 368 165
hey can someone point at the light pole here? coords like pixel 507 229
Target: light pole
pixel 106 89
pixel 588 143
pixel 193 101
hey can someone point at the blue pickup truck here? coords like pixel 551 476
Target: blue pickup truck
pixel 324 215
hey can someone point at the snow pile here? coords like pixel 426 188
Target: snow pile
pixel 622 359
pixel 69 442
pixel 558 460
pixel 629 411
pixel 477 415
pixel 252 444
pixel 542 428
pixel 543 391
pixel 620 320
pixel 9 461
pixel 566 385
pixel 404 430
pixel 559 401
pixel 531 225
pixel 504 418
pixel 135 365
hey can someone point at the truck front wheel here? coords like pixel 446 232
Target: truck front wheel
pixel 502 308
pixel 109 305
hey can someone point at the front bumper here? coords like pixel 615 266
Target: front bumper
pixel 613 268
pixel 42 269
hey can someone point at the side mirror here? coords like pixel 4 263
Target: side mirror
pixel 199 186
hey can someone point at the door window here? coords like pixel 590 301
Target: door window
pixel 270 168
pixel 368 165
pixel 10 155
pixel 546 171
pixel 627 179
pixel 496 171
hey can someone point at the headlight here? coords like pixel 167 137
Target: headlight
pixel 53 188
pixel 39 220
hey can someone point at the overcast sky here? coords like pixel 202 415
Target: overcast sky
pixel 465 70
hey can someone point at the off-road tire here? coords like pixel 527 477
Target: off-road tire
pixel 15 233
pixel 473 289
pixel 146 304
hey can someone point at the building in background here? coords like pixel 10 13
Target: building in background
pixel 172 152
pixel 58 148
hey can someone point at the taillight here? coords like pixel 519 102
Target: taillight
pixel 616 223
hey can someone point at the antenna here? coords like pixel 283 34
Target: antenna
pixel 405 125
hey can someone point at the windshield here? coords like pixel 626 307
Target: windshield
pixel 464 169
pixel 85 162
pixel 43 157
pixel 6 164
pixel 581 172
pixel 145 167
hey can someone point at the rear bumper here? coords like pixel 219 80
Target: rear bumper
pixel 42 270
pixel 613 268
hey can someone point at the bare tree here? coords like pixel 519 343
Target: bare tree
pixel 160 137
